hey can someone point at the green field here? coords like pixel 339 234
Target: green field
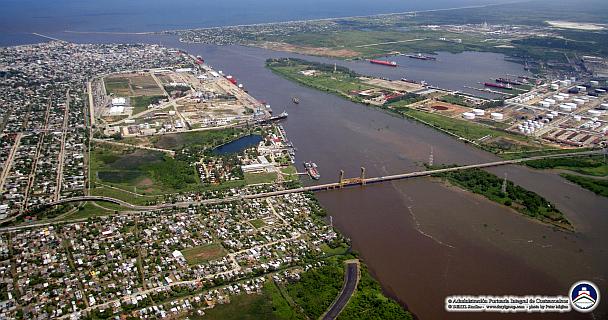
pixel 141 103
pixel 204 253
pixel 141 171
pixel 94 209
pixel 516 197
pixel 118 86
pixel 290 173
pixel 342 82
pixel 257 223
pixel 257 178
pixel 267 305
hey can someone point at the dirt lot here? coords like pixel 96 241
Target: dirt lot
pixel 394 85
pixel 327 52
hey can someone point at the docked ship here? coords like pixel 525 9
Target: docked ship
pixel 295 100
pixel 283 115
pixel 509 81
pixel 384 63
pixel 311 169
pixel 498 85
pixel 420 56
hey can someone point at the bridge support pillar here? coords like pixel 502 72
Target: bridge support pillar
pixel 362 176
pixel 341 179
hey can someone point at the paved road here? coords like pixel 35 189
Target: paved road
pixel 351 279
pixel 320 187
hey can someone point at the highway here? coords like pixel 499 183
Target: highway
pixel 351 279
pixel 320 187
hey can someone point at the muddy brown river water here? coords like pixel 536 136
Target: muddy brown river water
pixel 421 239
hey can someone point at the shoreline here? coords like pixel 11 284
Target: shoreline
pixel 270 23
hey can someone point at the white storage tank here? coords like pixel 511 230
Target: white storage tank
pixel 497 116
pixel 603 106
pixel 594 83
pixel 468 115
pixel 581 88
pixel 577 118
pixel 479 112
pixel 554 113
pixel 572 105
pixel 554 86
pixel 595 113
pixel 579 101
pixel 550 116
pixel 545 104
pixel 565 95
pixel 565 108
pixel 558 98
pixel 550 101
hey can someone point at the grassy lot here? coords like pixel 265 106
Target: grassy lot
pixel 597 186
pixel 144 171
pixel 204 253
pixel 290 173
pixel 334 251
pixel 141 103
pixel 516 197
pixel 342 82
pixel 118 86
pixel 280 305
pixel 594 165
pixel 242 307
pixel 269 305
pixel 256 178
pixel 89 210
pixel 196 139
pixel 257 223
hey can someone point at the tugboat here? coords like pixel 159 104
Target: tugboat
pixel 311 169
pixel 295 100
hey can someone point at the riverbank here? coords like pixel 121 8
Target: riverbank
pixel 341 81
pixel 508 194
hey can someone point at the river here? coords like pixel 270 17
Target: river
pixel 421 239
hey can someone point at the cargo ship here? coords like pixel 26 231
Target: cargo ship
pixel 384 63
pixel 509 81
pixel 311 169
pixel 420 56
pixel 283 115
pixel 231 79
pixel 498 85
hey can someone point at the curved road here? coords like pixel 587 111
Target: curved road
pixel 351 279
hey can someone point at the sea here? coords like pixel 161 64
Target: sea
pixel 21 18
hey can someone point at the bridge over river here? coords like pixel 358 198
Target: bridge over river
pixel 342 183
